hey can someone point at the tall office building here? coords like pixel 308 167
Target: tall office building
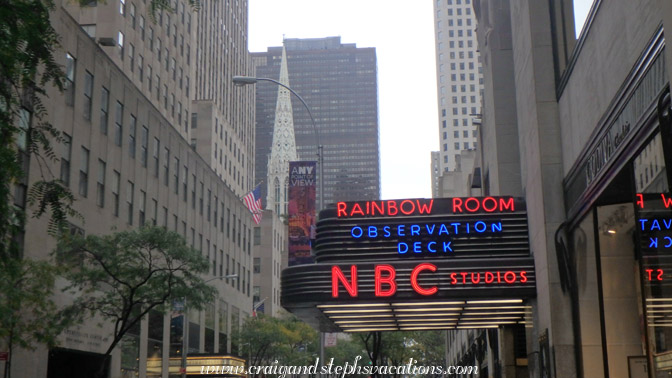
pixel 137 151
pixel 223 117
pixel 339 84
pixel 459 78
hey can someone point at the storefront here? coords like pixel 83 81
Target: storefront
pixel 614 249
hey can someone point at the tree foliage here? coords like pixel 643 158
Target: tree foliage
pixel 264 339
pixel 125 275
pixel 27 70
pixel 427 348
pixel 27 316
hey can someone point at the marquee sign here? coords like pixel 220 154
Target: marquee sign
pixel 374 255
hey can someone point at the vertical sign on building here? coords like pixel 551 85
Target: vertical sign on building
pixel 301 211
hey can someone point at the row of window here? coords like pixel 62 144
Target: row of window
pixel 456 122
pixel 210 204
pixel 452 22
pixel 457 2
pixel 465 134
pixel 456 146
pixel 458 11
pixel 159 164
pixel 242 237
pixel 105 103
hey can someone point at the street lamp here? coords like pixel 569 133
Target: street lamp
pixel 185 326
pixel 247 80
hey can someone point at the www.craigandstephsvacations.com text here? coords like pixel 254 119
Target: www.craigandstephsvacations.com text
pixel 339 370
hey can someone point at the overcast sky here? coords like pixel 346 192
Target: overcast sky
pixel 402 31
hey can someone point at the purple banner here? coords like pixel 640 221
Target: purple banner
pixel 302 181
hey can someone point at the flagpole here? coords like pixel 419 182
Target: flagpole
pixel 254 187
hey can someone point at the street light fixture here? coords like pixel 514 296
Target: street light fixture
pixel 247 80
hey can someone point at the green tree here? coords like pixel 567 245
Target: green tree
pixel 27 316
pixel 345 351
pixel 265 339
pixel 125 275
pixel 27 69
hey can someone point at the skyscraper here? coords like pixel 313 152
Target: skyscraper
pixel 459 78
pixel 339 84
pixel 138 152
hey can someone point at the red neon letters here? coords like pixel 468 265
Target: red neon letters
pixel 337 275
pixel 385 283
pixel 388 280
pixel 414 279
pixel 384 208
pixel 487 204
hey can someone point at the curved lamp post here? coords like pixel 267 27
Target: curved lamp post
pixel 247 80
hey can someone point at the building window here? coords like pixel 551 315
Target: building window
pixel 155 156
pixel 69 80
pixel 185 176
pixel 193 192
pixel 120 44
pixel 176 174
pixel 100 186
pixel 141 61
pixel 158 85
pixel 156 212
pixel 129 201
pixel 65 159
pixel 131 137
pixel 172 105
pixel 200 199
pixel 166 162
pixel 84 173
pixel 122 6
pixel 209 205
pixel 88 95
pixel 116 181
pixel 132 14
pixel 144 136
pixel 104 108
pixel 141 23
pixel 131 56
pixel 141 210
pixel 118 123
pixel 216 207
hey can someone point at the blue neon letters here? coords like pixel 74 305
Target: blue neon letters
pixel 443 230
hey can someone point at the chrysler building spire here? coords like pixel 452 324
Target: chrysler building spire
pixel 283 149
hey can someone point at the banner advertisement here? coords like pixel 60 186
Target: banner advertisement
pixel 302 190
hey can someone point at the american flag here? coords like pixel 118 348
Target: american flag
pixel 253 203
pixel 258 309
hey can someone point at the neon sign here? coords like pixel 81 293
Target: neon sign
pixel 424 227
pixel 654 226
pixel 392 208
pixel 374 256
pixel 385 279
